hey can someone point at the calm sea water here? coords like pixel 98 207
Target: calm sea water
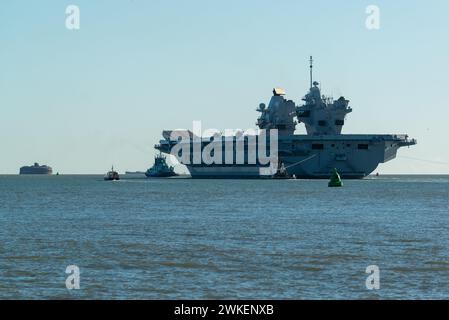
pixel 223 239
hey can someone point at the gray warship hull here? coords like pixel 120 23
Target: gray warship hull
pixel 355 156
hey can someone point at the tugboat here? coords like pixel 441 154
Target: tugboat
pixel 112 175
pixel 281 172
pixel 160 169
pixel 335 180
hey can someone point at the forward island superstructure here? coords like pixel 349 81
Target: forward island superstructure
pixel 314 155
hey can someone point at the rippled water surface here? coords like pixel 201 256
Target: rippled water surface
pixel 223 239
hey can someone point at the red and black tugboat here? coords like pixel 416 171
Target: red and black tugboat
pixel 112 175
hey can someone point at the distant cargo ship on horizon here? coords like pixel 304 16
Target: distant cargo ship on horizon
pixel 36 169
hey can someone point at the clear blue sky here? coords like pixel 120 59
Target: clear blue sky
pixel 82 100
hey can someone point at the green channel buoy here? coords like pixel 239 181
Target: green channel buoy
pixel 335 180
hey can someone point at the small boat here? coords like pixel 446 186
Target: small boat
pixel 112 175
pixel 281 172
pixel 160 169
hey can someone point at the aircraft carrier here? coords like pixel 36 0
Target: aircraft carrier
pixel 311 156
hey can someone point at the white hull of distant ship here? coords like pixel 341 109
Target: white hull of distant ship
pixel 314 155
pixel 36 169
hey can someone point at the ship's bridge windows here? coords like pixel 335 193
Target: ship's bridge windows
pixel 363 146
pixel 339 122
pixel 322 123
pixel 317 146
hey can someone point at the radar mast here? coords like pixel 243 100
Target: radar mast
pixel 311 71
